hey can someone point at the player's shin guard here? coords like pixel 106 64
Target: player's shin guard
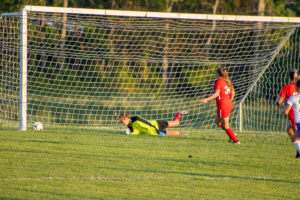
pixel 231 134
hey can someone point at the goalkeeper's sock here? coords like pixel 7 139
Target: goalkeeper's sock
pixel 231 135
pixel 177 116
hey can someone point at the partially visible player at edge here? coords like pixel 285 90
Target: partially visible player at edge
pixel 293 103
pixel 138 125
pixel 286 92
pixel 224 94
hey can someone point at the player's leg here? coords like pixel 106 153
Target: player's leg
pixel 228 130
pixel 290 131
pixel 218 122
pixel 296 139
pixel 176 120
pixel 163 124
pixel 294 135
pixel 296 144
pixel 172 133
pixel 170 124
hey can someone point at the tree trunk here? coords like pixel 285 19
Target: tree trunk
pixel 42 23
pixel 63 38
pixel 169 5
pixel 112 32
pixel 215 8
pixel 261 7
pixel 260 12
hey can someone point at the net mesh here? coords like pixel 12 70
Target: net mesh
pixel 9 71
pixel 83 70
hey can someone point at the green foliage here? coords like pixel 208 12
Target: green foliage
pixel 200 75
pixel 282 8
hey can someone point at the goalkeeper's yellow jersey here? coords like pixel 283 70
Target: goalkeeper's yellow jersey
pixel 141 126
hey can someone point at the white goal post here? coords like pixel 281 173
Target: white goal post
pixel 82 67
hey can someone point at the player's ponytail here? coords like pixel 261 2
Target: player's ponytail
pixel 293 75
pixel 224 74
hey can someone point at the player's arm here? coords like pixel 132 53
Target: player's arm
pixel 280 103
pixel 135 131
pixel 215 95
pixel 286 109
pixel 279 100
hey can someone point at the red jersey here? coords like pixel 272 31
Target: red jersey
pixel 224 99
pixel 286 92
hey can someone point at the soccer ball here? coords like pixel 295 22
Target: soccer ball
pixel 127 131
pixel 38 126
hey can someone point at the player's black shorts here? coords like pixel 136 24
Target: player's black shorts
pixel 162 125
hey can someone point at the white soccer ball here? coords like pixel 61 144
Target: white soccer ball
pixel 127 131
pixel 38 126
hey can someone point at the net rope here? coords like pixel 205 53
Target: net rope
pixel 83 70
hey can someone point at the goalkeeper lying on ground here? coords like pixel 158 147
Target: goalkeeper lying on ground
pixel 138 125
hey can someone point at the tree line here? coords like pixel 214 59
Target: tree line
pixel 287 8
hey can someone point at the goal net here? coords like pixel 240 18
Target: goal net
pixel 83 67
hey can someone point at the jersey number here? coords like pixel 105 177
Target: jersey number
pixel 227 90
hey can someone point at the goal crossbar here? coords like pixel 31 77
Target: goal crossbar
pixel 162 14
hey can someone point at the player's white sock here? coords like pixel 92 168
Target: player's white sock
pixel 297 145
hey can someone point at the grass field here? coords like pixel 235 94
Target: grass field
pixel 95 164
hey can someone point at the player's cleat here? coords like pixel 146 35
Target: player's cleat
pixel 183 112
pixel 236 142
pixel 298 155
pixel 230 140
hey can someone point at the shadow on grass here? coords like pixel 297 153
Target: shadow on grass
pixel 202 175
pixel 211 176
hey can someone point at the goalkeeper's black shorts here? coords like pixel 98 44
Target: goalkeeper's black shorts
pixel 162 125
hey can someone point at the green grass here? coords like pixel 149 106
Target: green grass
pixel 92 164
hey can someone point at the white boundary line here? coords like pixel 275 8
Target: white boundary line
pixel 162 14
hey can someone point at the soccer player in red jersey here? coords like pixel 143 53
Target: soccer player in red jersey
pixel 286 92
pixel 224 94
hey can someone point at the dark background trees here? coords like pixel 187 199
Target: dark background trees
pixel 289 8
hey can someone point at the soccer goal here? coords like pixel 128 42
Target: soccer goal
pixel 82 67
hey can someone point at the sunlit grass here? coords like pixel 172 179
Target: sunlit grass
pixel 102 164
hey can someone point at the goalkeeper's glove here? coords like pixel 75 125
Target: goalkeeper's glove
pixel 127 131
